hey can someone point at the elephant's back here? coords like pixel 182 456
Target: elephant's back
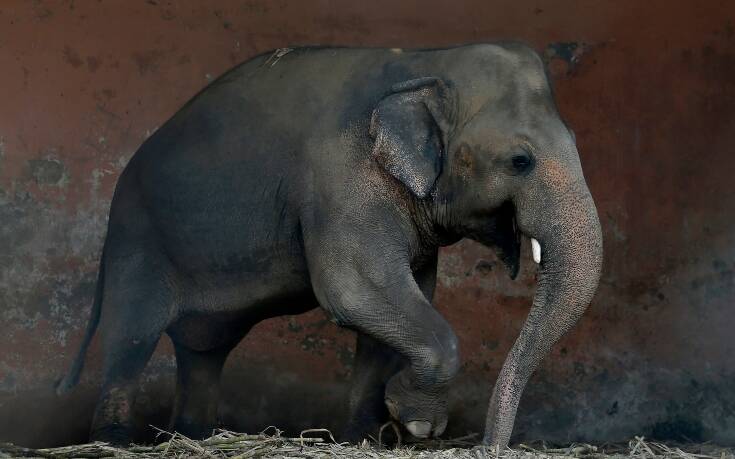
pixel 253 121
pixel 230 172
pixel 219 182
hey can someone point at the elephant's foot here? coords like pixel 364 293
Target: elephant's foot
pixel 384 433
pixel 114 434
pixel 422 412
pixel 362 428
pixel 355 433
pixel 112 422
pixel 390 426
pixel 193 429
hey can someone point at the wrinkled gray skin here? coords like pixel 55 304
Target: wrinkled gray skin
pixel 330 177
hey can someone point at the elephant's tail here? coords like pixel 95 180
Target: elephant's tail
pixel 72 377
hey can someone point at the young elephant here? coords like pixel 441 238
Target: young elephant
pixel 330 177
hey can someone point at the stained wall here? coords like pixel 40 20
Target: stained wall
pixel 648 87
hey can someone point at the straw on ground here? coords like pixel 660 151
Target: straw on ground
pixel 319 443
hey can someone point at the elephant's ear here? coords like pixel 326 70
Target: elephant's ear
pixel 407 126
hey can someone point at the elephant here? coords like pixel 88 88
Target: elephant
pixel 329 177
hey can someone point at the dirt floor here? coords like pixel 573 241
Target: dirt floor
pixel 319 443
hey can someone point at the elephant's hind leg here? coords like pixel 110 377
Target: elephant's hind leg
pixel 375 364
pixel 135 311
pixel 197 390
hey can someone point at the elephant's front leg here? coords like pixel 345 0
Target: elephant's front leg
pixel 375 363
pixel 367 285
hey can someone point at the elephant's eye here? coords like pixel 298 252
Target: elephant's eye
pixel 522 163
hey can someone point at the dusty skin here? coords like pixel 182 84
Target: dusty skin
pixel 321 177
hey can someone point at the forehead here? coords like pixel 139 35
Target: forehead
pixel 509 93
pixel 521 61
pixel 509 75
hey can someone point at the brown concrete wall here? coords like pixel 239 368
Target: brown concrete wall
pixel 649 88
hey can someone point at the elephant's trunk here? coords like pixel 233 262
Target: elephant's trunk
pixel 561 215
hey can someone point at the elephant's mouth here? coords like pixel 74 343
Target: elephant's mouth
pixel 501 232
pixel 503 235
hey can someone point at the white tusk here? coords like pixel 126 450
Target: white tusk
pixel 536 250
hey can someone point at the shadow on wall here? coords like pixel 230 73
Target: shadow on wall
pixel 253 397
pixel 257 396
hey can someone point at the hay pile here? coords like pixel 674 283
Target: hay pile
pixel 272 444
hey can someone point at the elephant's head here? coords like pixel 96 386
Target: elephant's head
pixel 487 155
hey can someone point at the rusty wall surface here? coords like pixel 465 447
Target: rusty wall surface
pixel 648 87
